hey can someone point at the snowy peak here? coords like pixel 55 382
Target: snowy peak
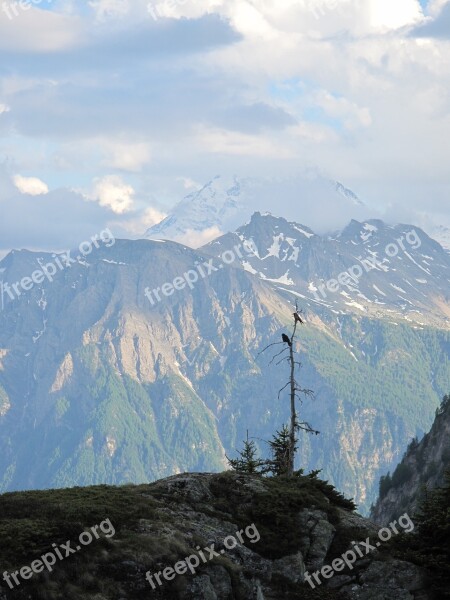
pixel 369 267
pixel 225 202
pixel 348 194
pixel 209 208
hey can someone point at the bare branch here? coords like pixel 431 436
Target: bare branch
pixel 304 426
pixel 282 389
pixel 276 355
pixel 267 347
pixel 282 360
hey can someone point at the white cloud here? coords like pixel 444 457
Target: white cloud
pixel 105 9
pixel 127 156
pixel 190 184
pixel 222 141
pixel 38 30
pixel 137 226
pixel 4 108
pixel 386 14
pixel 112 192
pixel 351 114
pixel 435 6
pixel 365 97
pixel 31 186
pixel 196 239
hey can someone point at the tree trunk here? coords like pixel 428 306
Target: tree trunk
pixel 290 469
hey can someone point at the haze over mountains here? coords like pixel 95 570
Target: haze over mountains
pixel 225 203
pixel 133 390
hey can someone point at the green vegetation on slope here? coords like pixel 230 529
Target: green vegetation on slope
pixel 30 522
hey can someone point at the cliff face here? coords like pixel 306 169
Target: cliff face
pixel 247 538
pixel 424 464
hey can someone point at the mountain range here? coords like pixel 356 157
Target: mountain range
pixel 101 382
pixel 224 203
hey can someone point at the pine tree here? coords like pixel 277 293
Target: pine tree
pixel 281 448
pixel 385 485
pixel 247 462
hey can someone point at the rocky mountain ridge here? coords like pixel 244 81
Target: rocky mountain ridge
pixel 423 466
pixel 265 538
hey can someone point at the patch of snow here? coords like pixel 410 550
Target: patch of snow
pixel 399 289
pixel 377 289
pixel 356 305
pixel 284 279
pixel 248 267
pixel 302 231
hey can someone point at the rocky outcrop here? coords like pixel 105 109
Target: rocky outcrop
pixel 246 538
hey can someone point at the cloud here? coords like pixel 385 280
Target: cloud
pixel 105 9
pixel 30 185
pixel 261 87
pixel 127 156
pixel 255 118
pixel 59 220
pixel 112 192
pixel 37 31
pixel 136 226
pixel 196 239
pixel 437 27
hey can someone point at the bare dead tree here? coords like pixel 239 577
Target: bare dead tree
pixel 295 389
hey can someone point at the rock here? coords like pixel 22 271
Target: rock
pixel 192 487
pixel 390 580
pixel 201 588
pixel 316 535
pixel 290 567
pixel 339 581
pixel 356 592
pixel 395 574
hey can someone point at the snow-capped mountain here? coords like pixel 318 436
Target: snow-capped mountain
pixel 224 203
pixel 368 267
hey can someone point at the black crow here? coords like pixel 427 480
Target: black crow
pixel 298 318
pixel 286 340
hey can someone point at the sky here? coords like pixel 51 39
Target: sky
pixel 112 110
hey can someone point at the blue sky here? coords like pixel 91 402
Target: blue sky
pixel 110 113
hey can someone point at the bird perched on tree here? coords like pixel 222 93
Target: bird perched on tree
pixel 286 340
pixel 298 319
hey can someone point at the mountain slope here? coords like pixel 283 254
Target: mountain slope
pixel 136 389
pixel 424 464
pixel 253 538
pixel 369 268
